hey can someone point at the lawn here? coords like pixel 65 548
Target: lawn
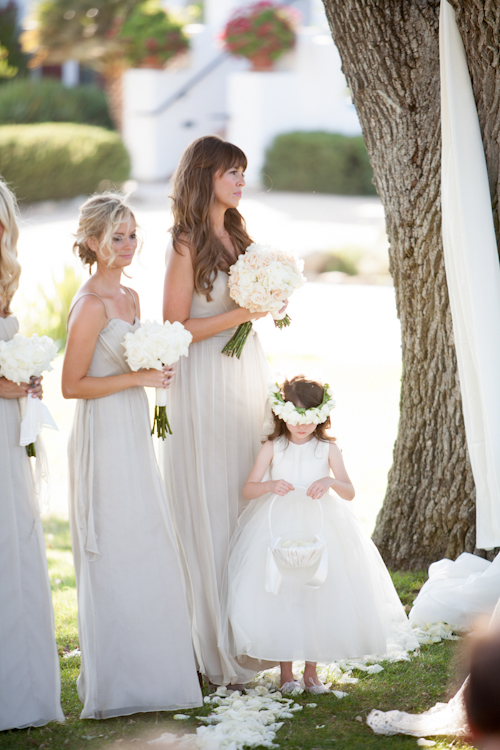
pixel 412 686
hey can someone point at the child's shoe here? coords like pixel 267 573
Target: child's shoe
pixel 313 688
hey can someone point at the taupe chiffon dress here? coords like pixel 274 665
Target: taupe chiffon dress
pixel 29 666
pixel 132 614
pixel 216 409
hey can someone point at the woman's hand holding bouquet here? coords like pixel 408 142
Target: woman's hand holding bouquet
pixel 152 346
pixel 261 280
pixel 22 360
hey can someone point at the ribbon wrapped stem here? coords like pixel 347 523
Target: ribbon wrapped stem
pixel 160 421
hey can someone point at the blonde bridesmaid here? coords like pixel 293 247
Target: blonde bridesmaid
pixel 132 619
pixel 29 666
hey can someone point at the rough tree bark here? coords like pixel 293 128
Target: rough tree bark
pixel 390 56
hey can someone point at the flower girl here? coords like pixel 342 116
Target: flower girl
pixel 304 581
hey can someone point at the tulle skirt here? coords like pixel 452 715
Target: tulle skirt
pixel 354 612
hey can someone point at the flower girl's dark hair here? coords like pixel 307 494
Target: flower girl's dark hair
pixel 306 394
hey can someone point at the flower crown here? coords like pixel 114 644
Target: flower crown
pixel 288 412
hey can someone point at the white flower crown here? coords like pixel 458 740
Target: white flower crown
pixel 288 412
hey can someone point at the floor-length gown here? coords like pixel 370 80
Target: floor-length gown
pixel 132 614
pixel 29 666
pixel 354 612
pixel 216 409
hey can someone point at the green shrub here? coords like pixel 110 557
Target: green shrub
pixel 26 101
pixel 319 162
pixel 60 160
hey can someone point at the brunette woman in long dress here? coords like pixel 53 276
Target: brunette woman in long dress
pixel 29 666
pixel 132 614
pixel 216 403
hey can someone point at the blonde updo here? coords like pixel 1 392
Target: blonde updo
pixel 10 268
pixel 100 216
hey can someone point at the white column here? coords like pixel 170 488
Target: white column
pixel 71 73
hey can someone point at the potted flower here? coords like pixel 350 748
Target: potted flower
pixel 150 37
pixel 261 32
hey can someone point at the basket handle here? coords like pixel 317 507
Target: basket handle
pixel 271 508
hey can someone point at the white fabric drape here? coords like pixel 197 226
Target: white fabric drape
pixel 473 275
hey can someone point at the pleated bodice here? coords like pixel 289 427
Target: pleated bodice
pixel 301 465
pixel 109 354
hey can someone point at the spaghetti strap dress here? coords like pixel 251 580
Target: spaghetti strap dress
pixel 29 666
pixel 132 614
pixel 216 408
pixel 352 612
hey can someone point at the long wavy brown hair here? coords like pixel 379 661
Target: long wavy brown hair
pixel 193 195
pixel 305 394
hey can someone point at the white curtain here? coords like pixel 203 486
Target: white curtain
pixel 473 275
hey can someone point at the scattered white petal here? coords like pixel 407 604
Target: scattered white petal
pixel 311 705
pixel 181 717
pixel 359 718
pixel 320 726
pixel 70 654
pixel 374 669
pixel 425 743
pixel 339 694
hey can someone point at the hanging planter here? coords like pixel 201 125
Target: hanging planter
pixel 261 32
pixel 150 37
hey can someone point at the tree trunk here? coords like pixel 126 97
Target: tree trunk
pixel 390 56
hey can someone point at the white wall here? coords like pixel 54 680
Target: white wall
pixel 312 95
pixel 156 142
pixel 306 92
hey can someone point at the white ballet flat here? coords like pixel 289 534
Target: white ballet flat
pixel 289 687
pixel 313 688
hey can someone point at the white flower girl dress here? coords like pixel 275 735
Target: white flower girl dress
pixel 354 612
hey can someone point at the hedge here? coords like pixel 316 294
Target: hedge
pixel 26 101
pixel 60 160
pixel 319 162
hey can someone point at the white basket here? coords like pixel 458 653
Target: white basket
pixel 296 553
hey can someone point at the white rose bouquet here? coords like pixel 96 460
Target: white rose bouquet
pixel 261 280
pixel 153 346
pixel 21 359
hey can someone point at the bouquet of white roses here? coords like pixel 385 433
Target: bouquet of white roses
pixel 21 359
pixel 261 280
pixel 153 346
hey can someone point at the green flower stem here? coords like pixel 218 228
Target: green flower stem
pixel 160 423
pixel 284 322
pixel 236 343
pixel 31 450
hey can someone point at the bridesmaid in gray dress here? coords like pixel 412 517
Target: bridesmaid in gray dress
pixel 29 665
pixel 132 612
pixel 216 404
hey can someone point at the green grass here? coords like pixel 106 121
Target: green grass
pixel 411 686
